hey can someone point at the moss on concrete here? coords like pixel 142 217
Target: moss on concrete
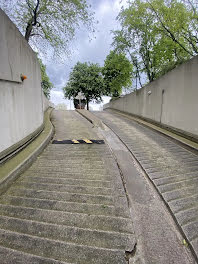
pixel 13 167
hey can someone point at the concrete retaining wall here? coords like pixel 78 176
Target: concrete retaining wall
pixel 46 103
pixel 171 100
pixel 21 103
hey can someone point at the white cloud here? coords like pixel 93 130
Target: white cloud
pixel 57 97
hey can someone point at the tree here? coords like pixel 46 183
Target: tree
pixel 137 25
pixel 85 78
pixel 49 22
pixel 155 34
pixel 45 81
pixel 122 43
pixel 117 72
pixel 175 20
pixel 178 20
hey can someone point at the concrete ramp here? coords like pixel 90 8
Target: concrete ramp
pixel 69 206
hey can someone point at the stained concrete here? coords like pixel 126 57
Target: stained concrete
pixel 22 103
pixel 70 206
pixel 159 240
pixel 13 167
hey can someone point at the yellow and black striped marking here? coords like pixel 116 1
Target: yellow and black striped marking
pixel 78 141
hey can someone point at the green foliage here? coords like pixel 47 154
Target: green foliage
pixel 117 72
pixel 175 19
pixel 157 35
pixel 85 78
pixel 45 82
pixel 49 23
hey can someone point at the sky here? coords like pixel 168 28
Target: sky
pixel 84 50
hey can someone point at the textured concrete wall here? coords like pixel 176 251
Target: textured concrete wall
pixel 171 100
pixel 21 103
pixel 46 103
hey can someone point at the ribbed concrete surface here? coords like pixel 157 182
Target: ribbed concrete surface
pixel 173 169
pixel 69 206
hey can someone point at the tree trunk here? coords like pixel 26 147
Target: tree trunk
pixel 33 20
pixel 87 104
pixel 28 31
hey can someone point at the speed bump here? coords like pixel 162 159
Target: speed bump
pixel 78 141
pixel 88 141
pixel 75 141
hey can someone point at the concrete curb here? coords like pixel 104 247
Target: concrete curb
pixel 12 169
pixel 91 118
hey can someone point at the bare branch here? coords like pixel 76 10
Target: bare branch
pixel 35 13
pixel 36 34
